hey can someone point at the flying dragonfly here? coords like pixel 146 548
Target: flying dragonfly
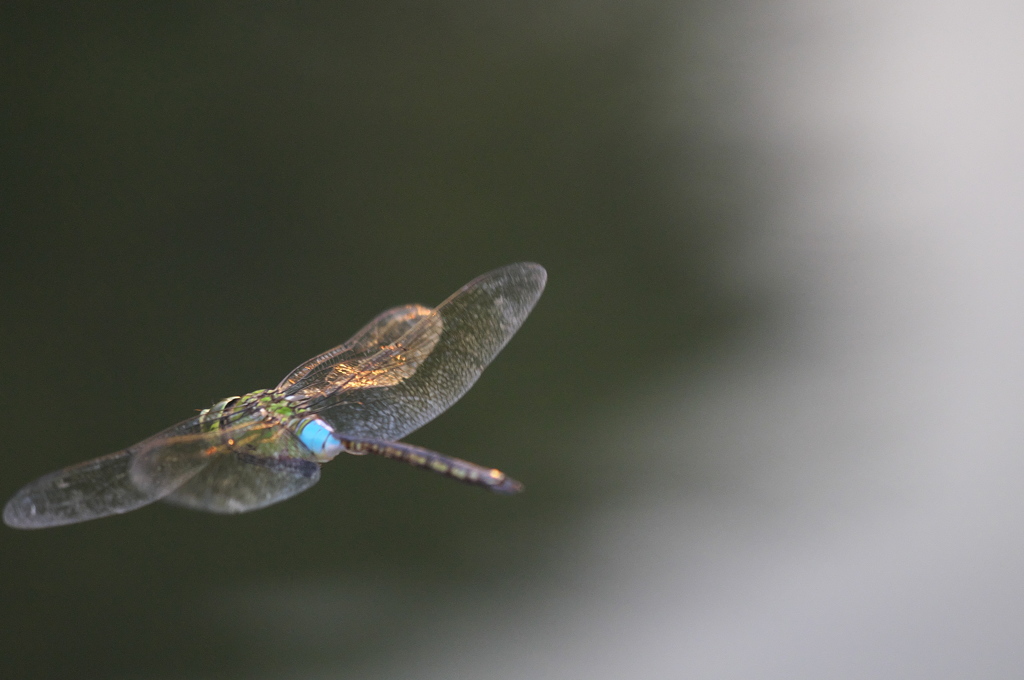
pixel 403 369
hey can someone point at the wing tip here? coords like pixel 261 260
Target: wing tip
pixel 524 280
pixel 534 271
pixel 21 513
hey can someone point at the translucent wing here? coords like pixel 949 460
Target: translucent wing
pixel 181 465
pixel 240 482
pixel 92 489
pixel 78 493
pixel 343 365
pixel 231 470
pixel 442 353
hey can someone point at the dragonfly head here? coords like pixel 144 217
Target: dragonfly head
pixel 318 437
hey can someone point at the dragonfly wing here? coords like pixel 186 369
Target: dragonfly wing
pixel 449 348
pixel 96 488
pixel 163 466
pixel 88 490
pixel 233 480
pixel 330 368
pixel 241 482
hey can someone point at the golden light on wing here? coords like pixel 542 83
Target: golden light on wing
pixel 389 363
pixel 391 326
pixel 471 327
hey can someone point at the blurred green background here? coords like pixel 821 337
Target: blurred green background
pixel 199 196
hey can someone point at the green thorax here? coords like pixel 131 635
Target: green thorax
pixel 255 424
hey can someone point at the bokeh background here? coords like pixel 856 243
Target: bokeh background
pixel 768 412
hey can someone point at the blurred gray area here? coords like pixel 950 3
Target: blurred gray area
pixel 767 412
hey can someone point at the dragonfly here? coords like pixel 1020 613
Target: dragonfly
pixel 404 368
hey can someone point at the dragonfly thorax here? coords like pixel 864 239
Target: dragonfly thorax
pixel 260 405
pixel 269 407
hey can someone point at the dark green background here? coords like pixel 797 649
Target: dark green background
pixel 194 199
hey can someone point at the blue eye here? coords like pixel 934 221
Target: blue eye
pixel 317 436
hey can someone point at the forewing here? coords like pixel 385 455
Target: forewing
pixel 463 335
pixel 78 493
pixel 234 481
pixel 343 365
pixel 88 490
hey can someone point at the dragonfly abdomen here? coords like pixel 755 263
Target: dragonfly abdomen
pixel 456 468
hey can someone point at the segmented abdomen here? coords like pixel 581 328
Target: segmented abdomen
pixel 456 468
